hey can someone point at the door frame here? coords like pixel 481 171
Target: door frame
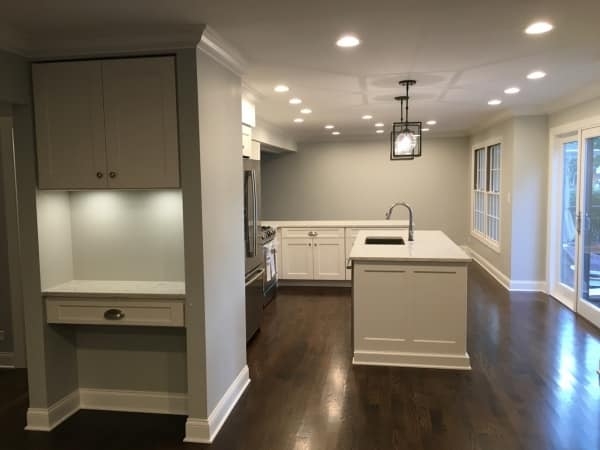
pixel 583 307
pixel 556 289
pixel 8 176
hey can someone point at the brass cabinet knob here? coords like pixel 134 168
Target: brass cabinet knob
pixel 99 174
pixel 114 314
pixel 113 174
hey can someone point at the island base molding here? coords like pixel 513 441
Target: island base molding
pixel 403 359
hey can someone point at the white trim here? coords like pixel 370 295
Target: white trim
pixel 221 51
pixel 7 360
pixel 204 431
pixel 46 419
pixel 133 401
pixel 403 359
pixel 506 282
pixel 490 268
pixel 528 286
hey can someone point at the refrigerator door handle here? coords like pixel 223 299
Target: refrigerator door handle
pixel 254 212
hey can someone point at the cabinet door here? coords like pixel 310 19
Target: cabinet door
pixel 297 259
pixel 329 257
pixel 69 116
pixel 141 122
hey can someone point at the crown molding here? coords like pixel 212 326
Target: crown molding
pixel 221 51
pixel 124 41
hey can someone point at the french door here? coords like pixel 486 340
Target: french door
pixel 588 264
pixel 575 228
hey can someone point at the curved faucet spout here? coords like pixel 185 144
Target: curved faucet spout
pixel 411 224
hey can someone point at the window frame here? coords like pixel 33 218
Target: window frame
pixel 484 236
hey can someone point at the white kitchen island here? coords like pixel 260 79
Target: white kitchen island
pixel 410 301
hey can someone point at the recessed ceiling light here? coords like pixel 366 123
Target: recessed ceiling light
pixel 424 129
pixel 367 117
pixel 539 28
pixel 536 75
pixel 512 90
pixel 335 133
pixel 329 127
pixel 379 124
pixel 295 101
pixel 298 120
pixel 306 111
pixel 379 131
pixel 348 40
pixel 495 102
pixel 431 122
pixel 281 88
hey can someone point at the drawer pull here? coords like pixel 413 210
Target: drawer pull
pixel 114 314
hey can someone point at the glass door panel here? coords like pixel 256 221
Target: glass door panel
pixel 568 213
pixel 588 303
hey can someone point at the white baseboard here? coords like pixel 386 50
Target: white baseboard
pixel 7 360
pixel 204 431
pixel 506 282
pixel 424 360
pixel 528 286
pixel 489 268
pixel 133 401
pixel 46 419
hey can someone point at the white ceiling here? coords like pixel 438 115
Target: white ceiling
pixel 461 52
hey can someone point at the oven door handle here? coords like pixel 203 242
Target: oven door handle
pixel 258 275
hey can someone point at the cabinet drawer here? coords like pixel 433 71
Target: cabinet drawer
pixel 310 232
pixel 117 311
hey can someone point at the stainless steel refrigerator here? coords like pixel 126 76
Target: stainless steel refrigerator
pixel 253 247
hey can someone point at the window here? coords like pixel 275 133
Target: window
pixel 487 169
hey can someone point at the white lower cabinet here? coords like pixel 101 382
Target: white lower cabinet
pixel 313 254
pixel 297 259
pixel 329 260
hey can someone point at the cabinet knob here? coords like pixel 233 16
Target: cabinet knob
pixel 99 174
pixel 112 174
pixel 309 244
pixel 114 314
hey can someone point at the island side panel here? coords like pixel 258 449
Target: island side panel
pixel 410 315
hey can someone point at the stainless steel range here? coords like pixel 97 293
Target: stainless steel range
pixel 268 235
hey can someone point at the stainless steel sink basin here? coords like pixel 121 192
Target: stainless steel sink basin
pixel 383 240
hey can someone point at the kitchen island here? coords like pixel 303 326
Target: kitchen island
pixel 409 300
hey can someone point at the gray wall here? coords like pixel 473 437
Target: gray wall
pixel 529 199
pixel 575 113
pixel 500 132
pixel 357 180
pixel 219 112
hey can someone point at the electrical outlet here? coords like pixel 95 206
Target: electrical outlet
pixel 1 335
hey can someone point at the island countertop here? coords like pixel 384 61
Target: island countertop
pixel 428 246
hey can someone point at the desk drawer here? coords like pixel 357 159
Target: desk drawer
pixel 115 311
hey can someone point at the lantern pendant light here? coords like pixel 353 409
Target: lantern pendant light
pixel 405 138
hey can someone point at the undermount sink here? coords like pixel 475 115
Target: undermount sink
pixel 382 240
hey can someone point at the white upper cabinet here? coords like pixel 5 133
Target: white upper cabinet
pixel 141 122
pixel 69 116
pixel 107 124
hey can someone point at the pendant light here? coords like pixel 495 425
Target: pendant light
pixel 405 138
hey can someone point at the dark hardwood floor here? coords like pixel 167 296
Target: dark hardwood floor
pixel 533 386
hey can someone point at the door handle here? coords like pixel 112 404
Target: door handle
pixel 255 213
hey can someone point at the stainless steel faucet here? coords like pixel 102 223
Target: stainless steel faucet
pixel 411 225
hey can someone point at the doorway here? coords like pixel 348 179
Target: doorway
pixel 574 256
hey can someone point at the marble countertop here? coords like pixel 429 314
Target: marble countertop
pixel 335 223
pixel 428 246
pixel 115 288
